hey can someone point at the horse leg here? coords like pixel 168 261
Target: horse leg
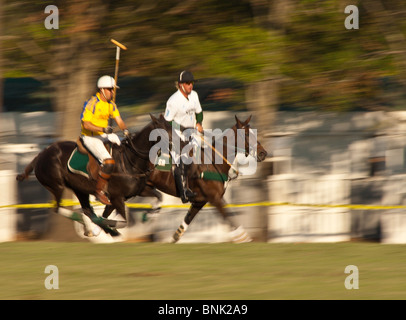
pixel 151 192
pixel 57 191
pixel 91 228
pixel 118 204
pixel 49 174
pixel 94 224
pixel 238 233
pixel 193 210
pixel 107 211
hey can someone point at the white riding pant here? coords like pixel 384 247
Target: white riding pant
pixel 95 144
pixel 194 142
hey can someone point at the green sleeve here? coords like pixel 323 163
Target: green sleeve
pixel 199 117
pixel 175 125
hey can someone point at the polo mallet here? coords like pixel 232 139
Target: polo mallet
pixel 118 47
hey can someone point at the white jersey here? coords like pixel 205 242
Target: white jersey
pixel 181 110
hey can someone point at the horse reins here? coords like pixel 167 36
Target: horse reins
pixel 216 151
pixel 137 153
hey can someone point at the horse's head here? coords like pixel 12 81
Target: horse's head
pixel 160 123
pixel 156 123
pixel 252 146
pixel 140 143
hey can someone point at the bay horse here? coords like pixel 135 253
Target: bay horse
pixel 128 178
pixel 207 191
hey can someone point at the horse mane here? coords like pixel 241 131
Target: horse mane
pixel 214 136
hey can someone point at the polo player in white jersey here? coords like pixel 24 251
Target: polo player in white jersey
pixel 183 109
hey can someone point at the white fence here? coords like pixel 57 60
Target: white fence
pixel 309 224
pixel 319 159
pixel 8 225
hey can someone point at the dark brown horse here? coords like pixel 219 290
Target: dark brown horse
pixel 128 178
pixel 208 191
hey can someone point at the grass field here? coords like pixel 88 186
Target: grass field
pixel 151 271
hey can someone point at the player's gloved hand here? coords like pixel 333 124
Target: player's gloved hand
pixel 126 133
pixel 114 138
pixel 108 130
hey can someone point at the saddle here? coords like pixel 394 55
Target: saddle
pixel 163 162
pixel 82 162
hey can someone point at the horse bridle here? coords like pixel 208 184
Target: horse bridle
pixel 141 155
pixel 134 150
pixel 252 150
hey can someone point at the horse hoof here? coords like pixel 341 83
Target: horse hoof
pixel 114 233
pixel 88 234
pixel 96 231
pixel 239 235
pixel 93 233
pixel 245 240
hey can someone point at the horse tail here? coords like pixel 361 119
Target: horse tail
pixel 28 169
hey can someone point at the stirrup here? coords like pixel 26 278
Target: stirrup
pixel 187 195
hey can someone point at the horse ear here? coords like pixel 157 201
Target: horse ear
pixel 238 121
pixel 161 117
pixel 248 120
pixel 153 118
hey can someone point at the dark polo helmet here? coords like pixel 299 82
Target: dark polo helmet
pixel 186 76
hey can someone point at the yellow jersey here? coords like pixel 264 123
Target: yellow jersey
pixel 98 113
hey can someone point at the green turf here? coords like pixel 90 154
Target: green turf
pixel 201 271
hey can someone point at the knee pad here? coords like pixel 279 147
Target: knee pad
pixel 108 166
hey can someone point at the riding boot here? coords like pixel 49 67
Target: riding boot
pixel 189 194
pixel 185 193
pixel 102 181
pixel 179 184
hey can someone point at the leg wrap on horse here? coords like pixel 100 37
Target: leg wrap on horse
pixel 179 232
pixel 239 235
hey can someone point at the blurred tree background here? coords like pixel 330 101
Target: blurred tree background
pixel 261 55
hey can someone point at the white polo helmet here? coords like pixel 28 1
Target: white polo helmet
pixel 106 82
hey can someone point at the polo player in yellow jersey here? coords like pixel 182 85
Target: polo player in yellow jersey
pixel 96 131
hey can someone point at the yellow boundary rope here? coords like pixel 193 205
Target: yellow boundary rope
pixel 68 203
